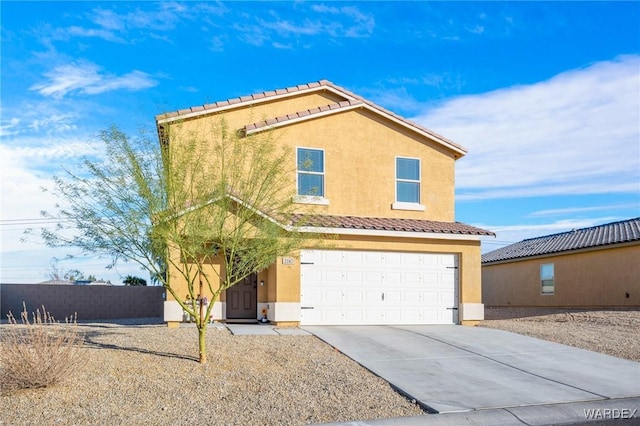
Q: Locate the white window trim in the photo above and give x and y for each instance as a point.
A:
(402, 205)
(312, 199)
(553, 278)
(408, 206)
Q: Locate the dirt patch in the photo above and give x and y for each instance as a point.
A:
(611, 332)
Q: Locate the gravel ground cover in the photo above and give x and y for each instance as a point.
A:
(149, 375)
(138, 373)
(612, 332)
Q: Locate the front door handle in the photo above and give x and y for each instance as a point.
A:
(383, 297)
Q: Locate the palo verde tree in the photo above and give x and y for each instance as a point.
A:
(203, 208)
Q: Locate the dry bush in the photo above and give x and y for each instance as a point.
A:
(40, 352)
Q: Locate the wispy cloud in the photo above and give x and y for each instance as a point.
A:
(122, 24)
(41, 118)
(88, 78)
(330, 21)
(574, 210)
(357, 24)
(576, 133)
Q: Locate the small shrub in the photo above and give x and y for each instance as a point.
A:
(40, 352)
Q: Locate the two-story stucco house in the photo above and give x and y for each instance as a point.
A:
(383, 187)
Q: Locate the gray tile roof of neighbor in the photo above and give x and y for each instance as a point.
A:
(602, 235)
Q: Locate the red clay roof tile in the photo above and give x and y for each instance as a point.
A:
(388, 224)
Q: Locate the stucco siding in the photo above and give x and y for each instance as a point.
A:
(360, 151)
(605, 277)
(360, 146)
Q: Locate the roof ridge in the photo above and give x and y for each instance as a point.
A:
(585, 229)
(606, 234)
(246, 98)
(303, 113)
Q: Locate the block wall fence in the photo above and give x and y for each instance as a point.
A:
(91, 302)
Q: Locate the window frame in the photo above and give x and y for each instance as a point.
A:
(305, 198)
(408, 205)
(546, 279)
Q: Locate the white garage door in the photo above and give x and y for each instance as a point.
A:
(340, 287)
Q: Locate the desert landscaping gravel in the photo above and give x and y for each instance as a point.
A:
(611, 332)
(149, 375)
(136, 373)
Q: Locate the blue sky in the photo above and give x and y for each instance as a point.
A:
(544, 95)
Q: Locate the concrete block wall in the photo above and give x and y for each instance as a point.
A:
(90, 302)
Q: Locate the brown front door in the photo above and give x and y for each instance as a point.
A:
(242, 299)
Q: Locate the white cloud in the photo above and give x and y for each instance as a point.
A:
(574, 210)
(576, 133)
(107, 35)
(87, 78)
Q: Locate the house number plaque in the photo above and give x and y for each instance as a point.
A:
(288, 261)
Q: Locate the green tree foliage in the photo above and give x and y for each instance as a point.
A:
(211, 195)
(134, 281)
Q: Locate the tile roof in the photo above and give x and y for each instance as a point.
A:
(388, 224)
(301, 114)
(608, 234)
(348, 96)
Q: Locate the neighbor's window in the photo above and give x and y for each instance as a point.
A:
(407, 180)
(547, 279)
(310, 172)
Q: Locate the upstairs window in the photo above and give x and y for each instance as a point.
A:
(407, 180)
(547, 278)
(310, 172)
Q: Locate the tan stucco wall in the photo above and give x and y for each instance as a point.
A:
(179, 283)
(360, 151)
(584, 279)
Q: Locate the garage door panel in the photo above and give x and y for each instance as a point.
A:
(393, 297)
(373, 297)
(409, 278)
(393, 316)
(347, 287)
(447, 261)
(374, 258)
(354, 276)
(447, 299)
(410, 259)
(392, 277)
(373, 277)
(392, 259)
(353, 296)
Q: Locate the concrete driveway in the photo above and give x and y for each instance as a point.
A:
(454, 368)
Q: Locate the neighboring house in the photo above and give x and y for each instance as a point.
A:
(590, 267)
(384, 187)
